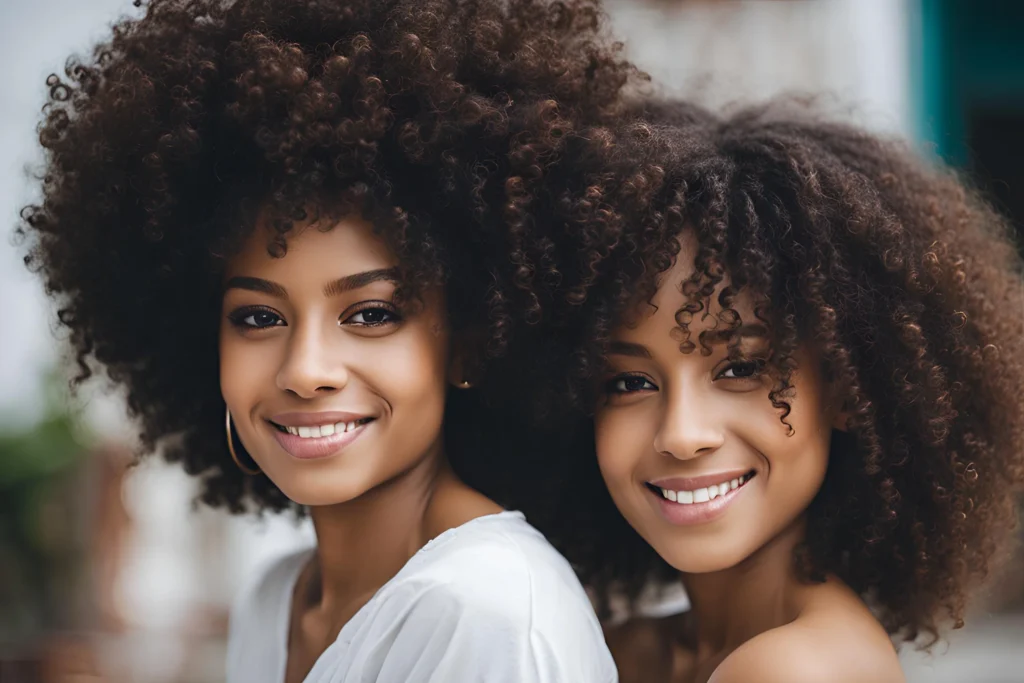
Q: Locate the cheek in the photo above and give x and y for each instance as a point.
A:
(409, 369)
(242, 366)
(622, 436)
(811, 451)
(797, 463)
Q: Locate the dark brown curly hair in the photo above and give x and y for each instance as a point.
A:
(442, 116)
(907, 283)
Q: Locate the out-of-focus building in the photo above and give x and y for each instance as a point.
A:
(724, 52)
(948, 74)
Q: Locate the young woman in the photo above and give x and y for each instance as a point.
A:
(801, 353)
(279, 225)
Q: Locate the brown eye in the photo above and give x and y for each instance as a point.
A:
(629, 384)
(255, 318)
(372, 316)
(744, 370)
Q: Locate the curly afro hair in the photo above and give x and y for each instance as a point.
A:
(907, 283)
(441, 116)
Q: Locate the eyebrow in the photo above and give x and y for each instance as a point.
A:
(752, 330)
(357, 280)
(256, 284)
(339, 286)
(712, 337)
(628, 349)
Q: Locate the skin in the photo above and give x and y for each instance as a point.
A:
(670, 414)
(294, 339)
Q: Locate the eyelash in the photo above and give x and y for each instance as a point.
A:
(389, 309)
(238, 317)
(612, 388)
(757, 365)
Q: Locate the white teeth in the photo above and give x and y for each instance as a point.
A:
(319, 431)
(705, 494)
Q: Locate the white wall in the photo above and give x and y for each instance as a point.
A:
(741, 50)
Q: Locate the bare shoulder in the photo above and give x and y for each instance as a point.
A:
(794, 654)
(835, 640)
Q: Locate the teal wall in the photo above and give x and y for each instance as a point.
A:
(965, 54)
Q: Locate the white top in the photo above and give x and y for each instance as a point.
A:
(490, 601)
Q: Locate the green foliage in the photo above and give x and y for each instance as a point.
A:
(46, 451)
(40, 522)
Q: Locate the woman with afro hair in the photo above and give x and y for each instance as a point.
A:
(794, 354)
(283, 227)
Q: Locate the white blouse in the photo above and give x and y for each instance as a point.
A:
(490, 601)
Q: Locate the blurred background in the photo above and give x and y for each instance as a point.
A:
(110, 572)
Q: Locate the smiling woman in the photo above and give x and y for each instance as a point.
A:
(284, 227)
(796, 376)
(335, 385)
(695, 458)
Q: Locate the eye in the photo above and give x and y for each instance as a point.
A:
(742, 370)
(255, 318)
(373, 316)
(629, 384)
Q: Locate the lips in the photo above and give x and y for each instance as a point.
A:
(314, 436)
(698, 504)
(718, 485)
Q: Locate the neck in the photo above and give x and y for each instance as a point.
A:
(363, 543)
(733, 605)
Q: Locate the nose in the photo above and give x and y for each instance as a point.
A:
(691, 426)
(313, 364)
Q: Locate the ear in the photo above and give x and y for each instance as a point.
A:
(841, 421)
(465, 369)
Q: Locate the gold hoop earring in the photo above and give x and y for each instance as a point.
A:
(231, 446)
(464, 384)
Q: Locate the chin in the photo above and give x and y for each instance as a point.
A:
(316, 491)
(699, 556)
(691, 564)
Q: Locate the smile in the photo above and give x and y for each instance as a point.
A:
(319, 441)
(318, 431)
(704, 494)
(682, 503)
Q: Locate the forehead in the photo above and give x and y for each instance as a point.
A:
(334, 245)
(660, 311)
